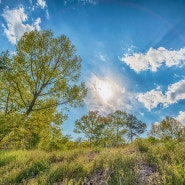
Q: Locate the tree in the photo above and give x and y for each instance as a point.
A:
(168, 128)
(44, 79)
(90, 125)
(118, 123)
(134, 126)
(46, 73)
(107, 131)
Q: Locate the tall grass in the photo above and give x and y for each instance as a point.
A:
(139, 163)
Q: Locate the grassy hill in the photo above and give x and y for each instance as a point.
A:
(138, 163)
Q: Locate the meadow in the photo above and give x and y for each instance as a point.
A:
(141, 162)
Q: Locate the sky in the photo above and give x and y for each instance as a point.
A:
(133, 52)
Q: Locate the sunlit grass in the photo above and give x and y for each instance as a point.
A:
(129, 165)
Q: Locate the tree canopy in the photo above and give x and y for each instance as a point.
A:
(44, 80)
(168, 128)
(110, 130)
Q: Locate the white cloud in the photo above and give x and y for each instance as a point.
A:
(153, 98)
(41, 3)
(154, 58)
(36, 24)
(47, 14)
(181, 117)
(16, 24)
(176, 92)
(106, 95)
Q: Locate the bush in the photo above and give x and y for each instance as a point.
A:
(142, 145)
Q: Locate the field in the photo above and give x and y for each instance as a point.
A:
(138, 163)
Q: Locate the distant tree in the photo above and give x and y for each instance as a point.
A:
(134, 127)
(45, 75)
(90, 125)
(118, 123)
(168, 128)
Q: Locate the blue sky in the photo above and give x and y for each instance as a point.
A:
(133, 51)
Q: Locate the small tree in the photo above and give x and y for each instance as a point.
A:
(90, 125)
(134, 127)
(118, 123)
(168, 128)
(107, 136)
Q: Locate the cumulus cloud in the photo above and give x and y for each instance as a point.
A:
(154, 59)
(181, 117)
(16, 24)
(176, 92)
(153, 98)
(106, 95)
(41, 3)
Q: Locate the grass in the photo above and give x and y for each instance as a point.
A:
(139, 163)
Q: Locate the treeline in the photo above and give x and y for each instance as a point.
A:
(111, 130)
(119, 128)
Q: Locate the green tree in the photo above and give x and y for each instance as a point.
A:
(118, 123)
(168, 128)
(91, 126)
(135, 127)
(44, 79)
(107, 136)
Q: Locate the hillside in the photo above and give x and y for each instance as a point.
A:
(138, 163)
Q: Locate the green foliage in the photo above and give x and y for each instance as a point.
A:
(90, 125)
(4, 58)
(170, 145)
(168, 128)
(45, 74)
(118, 121)
(135, 127)
(142, 145)
(32, 171)
(110, 130)
(67, 173)
(122, 172)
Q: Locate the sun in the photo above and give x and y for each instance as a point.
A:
(105, 91)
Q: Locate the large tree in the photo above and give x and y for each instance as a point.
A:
(43, 80)
(168, 128)
(45, 73)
